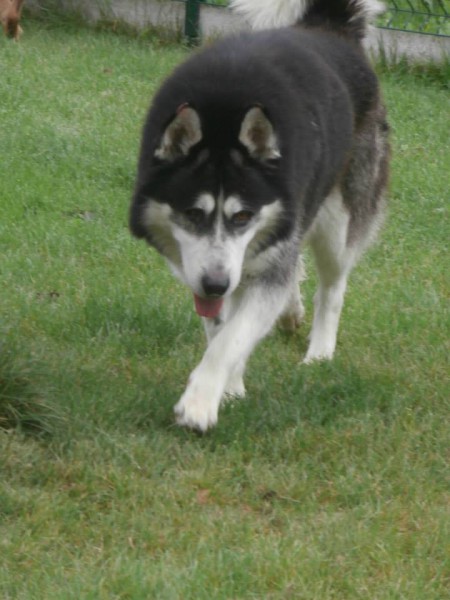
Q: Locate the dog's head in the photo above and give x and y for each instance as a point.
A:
(208, 200)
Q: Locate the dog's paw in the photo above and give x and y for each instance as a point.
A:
(314, 356)
(235, 388)
(194, 411)
(198, 407)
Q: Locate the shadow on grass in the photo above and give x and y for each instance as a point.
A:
(162, 343)
(322, 397)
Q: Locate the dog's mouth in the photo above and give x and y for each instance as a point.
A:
(208, 307)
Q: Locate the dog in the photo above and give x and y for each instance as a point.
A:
(10, 13)
(258, 145)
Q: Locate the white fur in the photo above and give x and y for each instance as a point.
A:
(231, 206)
(235, 386)
(371, 8)
(334, 260)
(206, 255)
(203, 255)
(250, 313)
(246, 317)
(252, 316)
(267, 14)
(206, 203)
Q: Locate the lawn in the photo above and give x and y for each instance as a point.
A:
(327, 482)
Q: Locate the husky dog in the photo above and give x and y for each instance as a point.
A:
(256, 146)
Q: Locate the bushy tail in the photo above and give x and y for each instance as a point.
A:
(350, 17)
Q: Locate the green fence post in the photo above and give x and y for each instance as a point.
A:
(192, 21)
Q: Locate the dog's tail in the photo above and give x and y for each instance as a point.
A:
(348, 17)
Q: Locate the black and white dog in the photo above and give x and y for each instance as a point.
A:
(254, 147)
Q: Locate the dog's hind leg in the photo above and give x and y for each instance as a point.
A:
(293, 315)
(334, 259)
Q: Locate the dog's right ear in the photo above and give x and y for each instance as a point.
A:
(258, 136)
(183, 132)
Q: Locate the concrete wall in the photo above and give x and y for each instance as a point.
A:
(415, 47)
(218, 21)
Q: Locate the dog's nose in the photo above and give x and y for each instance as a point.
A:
(215, 285)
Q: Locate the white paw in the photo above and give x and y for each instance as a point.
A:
(235, 388)
(198, 407)
(317, 355)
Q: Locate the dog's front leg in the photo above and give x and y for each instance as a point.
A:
(235, 386)
(229, 349)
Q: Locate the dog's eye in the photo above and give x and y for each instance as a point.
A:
(241, 218)
(195, 215)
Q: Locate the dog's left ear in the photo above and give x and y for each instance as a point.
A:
(258, 136)
(183, 132)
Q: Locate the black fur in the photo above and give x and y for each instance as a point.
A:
(342, 16)
(316, 88)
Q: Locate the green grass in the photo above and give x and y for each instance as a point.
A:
(327, 482)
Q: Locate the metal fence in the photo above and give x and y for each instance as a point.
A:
(431, 17)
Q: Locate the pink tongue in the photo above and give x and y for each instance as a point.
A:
(208, 307)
